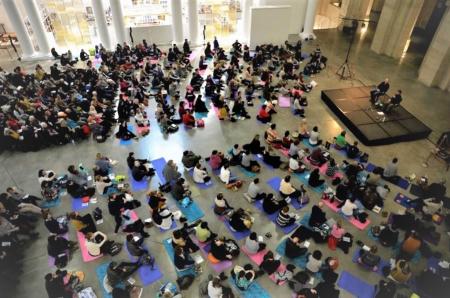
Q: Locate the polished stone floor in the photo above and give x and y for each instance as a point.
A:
(430, 105)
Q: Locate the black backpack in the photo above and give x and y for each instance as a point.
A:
(97, 213)
(114, 248)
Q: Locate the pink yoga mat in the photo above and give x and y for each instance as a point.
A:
(141, 129)
(258, 258)
(84, 253)
(332, 206)
(359, 225)
(284, 101)
(284, 151)
(154, 61)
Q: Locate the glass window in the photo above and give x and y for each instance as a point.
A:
(146, 12)
(220, 17)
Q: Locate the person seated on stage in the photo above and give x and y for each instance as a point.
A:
(287, 190)
(190, 159)
(263, 115)
(314, 178)
(216, 160)
(352, 150)
(249, 163)
(221, 206)
(388, 235)
(141, 171)
(271, 135)
(394, 101)
(314, 262)
(255, 192)
(285, 218)
(381, 89)
(203, 233)
(295, 165)
(294, 248)
(200, 174)
(340, 142)
(269, 264)
(314, 136)
(390, 171)
(253, 244)
(271, 159)
(318, 216)
(241, 220)
(369, 258)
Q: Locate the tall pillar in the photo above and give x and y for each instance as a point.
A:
(303, 6)
(19, 27)
(395, 25)
(309, 20)
(117, 19)
(246, 13)
(355, 9)
(177, 21)
(435, 67)
(193, 21)
(100, 21)
(34, 16)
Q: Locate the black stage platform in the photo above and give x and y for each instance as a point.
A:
(353, 107)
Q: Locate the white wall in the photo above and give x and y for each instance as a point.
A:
(269, 25)
(4, 19)
(160, 35)
(296, 23)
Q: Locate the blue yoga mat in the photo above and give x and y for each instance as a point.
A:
(137, 185)
(305, 221)
(247, 173)
(304, 177)
(147, 275)
(403, 200)
(381, 265)
(170, 251)
(192, 212)
(100, 271)
(50, 204)
(273, 218)
(254, 290)
(370, 167)
(200, 115)
(78, 205)
(307, 143)
(275, 183)
(371, 236)
(173, 226)
(298, 262)
(355, 286)
(128, 142)
(402, 183)
(158, 165)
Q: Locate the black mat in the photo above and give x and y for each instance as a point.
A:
(353, 107)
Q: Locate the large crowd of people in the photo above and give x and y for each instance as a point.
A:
(68, 104)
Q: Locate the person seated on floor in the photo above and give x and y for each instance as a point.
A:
(325, 289)
(271, 135)
(243, 276)
(249, 163)
(285, 218)
(401, 272)
(182, 259)
(286, 140)
(432, 206)
(294, 148)
(163, 217)
(337, 232)
(388, 236)
(227, 178)
(131, 161)
(294, 248)
(241, 220)
(95, 243)
(84, 224)
(352, 150)
(124, 133)
(202, 65)
(271, 205)
(254, 244)
(317, 157)
(79, 191)
(314, 179)
(155, 199)
(298, 107)
(296, 165)
(314, 136)
(270, 158)
(286, 275)
(221, 206)
(183, 241)
(170, 172)
(52, 224)
(287, 190)
(314, 262)
(57, 245)
(188, 119)
(235, 155)
(299, 283)
(180, 190)
(134, 245)
(263, 115)
(332, 168)
(203, 233)
(340, 142)
(190, 159)
(223, 249)
(216, 160)
(374, 178)
(318, 216)
(369, 258)
(348, 207)
(255, 192)
(269, 264)
(410, 246)
(390, 171)
(200, 175)
(60, 284)
(142, 171)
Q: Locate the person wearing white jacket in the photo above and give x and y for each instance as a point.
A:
(94, 243)
(200, 175)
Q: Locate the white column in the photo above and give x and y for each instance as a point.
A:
(246, 13)
(177, 21)
(193, 21)
(100, 21)
(35, 19)
(309, 20)
(117, 19)
(19, 27)
(303, 4)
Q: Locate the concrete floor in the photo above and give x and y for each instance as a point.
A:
(428, 104)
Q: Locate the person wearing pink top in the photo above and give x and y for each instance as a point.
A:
(336, 234)
(216, 160)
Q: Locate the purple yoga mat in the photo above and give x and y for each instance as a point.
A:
(219, 267)
(355, 286)
(202, 185)
(137, 185)
(147, 275)
(381, 265)
(173, 226)
(78, 205)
